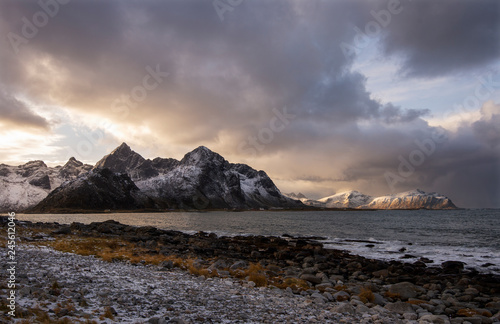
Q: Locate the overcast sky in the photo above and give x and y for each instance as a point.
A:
(325, 96)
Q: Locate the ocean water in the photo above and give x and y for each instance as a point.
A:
(471, 236)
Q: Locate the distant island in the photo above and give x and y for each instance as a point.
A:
(203, 180)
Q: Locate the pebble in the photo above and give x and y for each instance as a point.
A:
(154, 295)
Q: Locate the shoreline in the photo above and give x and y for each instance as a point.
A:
(298, 265)
(234, 210)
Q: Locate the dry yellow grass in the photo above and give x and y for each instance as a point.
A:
(115, 249)
(366, 295)
(417, 302)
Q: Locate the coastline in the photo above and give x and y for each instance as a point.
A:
(299, 266)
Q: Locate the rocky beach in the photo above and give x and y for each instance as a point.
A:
(107, 272)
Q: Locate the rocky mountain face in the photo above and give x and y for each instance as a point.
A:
(202, 179)
(348, 199)
(97, 190)
(25, 185)
(414, 199)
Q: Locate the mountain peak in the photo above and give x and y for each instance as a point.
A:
(201, 154)
(121, 159)
(72, 162)
(122, 149)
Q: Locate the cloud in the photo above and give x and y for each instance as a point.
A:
(435, 38)
(487, 129)
(225, 80)
(15, 113)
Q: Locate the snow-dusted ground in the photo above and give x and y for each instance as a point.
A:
(144, 294)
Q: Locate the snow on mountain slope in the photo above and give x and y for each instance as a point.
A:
(201, 179)
(303, 199)
(414, 199)
(98, 189)
(348, 199)
(25, 185)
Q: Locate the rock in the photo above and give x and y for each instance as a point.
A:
(399, 307)
(166, 265)
(471, 291)
(319, 296)
(220, 264)
(452, 266)
(341, 296)
(311, 278)
(239, 265)
(379, 300)
(495, 306)
(410, 316)
(437, 319)
(65, 230)
(328, 296)
(405, 290)
(381, 273)
(324, 285)
(344, 308)
(255, 254)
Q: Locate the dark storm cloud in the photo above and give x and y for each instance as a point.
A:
(14, 113)
(463, 164)
(225, 78)
(447, 36)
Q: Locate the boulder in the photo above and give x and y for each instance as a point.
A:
(399, 307)
(405, 290)
(437, 319)
(311, 278)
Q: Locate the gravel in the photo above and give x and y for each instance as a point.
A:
(51, 280)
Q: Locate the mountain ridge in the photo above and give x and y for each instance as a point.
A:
(412, 199)
(202, 179)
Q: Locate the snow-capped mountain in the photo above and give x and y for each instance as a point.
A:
(98, 189)
(202, 179)
(25, 185)
(348, 199)
(414, 199)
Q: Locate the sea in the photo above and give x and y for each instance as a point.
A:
(468, 235)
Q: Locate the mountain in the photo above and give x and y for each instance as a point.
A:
(348, 199)
(25, 185)
(98, 189)
(201, 179)
(414, 199)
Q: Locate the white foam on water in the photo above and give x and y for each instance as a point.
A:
(473, 257)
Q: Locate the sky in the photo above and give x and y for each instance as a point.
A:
(325, 96)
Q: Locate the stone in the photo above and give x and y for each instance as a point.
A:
(410, 316)
(164, 265)
(471, 291)
(324, 285)
(344, 308)
(239, 265)
(65, 230)
(452, 266)
(311, 278)
(399, 307)
(341, 296)
(379, 299)
(435, 319)
(405, 290)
